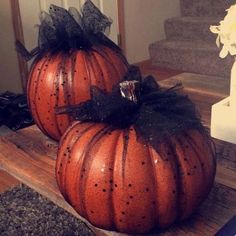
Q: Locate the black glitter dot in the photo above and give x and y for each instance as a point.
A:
(104, 190)
(130, 185)
(95, 185)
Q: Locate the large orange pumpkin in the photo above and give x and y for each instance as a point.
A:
(65, 78)
(118, 182)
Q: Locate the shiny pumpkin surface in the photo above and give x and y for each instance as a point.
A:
(65, 79)
(119, 183)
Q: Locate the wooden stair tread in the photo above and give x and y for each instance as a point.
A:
(30, 156)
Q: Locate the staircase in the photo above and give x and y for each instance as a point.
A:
(189, 44)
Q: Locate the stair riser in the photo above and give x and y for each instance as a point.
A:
(201, 62)
(205, 7)
(189, 31)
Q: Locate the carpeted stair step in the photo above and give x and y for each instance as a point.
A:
(190, 28)
(205, 7)
(191, 56)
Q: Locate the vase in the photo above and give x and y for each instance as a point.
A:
(223, 122)
(233, 87)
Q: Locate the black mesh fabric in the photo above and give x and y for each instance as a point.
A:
(62, 30)
(158, 114)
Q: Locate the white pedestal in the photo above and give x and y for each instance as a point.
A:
(223, 121)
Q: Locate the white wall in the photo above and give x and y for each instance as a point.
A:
(9, 71)
(144, 24)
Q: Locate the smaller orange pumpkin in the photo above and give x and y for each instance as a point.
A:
(72, 56)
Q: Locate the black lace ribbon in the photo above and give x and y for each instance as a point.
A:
(63, 30)
(158, 114)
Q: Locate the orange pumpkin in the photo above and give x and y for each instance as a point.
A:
(118, 182)
(65, 79)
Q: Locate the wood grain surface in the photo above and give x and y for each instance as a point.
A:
(30, 157)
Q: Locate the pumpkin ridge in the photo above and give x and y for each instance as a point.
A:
(114, 218)
(112, 60)
(199, 156)
(115, 61)
(179, 185)
(108, 75)
(86, 156)
(177, 178)
(187, 191)
(182, 180)
(124, 153)
(36, 115)
(70, 84)
(70, 146)
(150, 154)
(29, 84)
(54, 90)
(57, 82)
(197, 168)
(65, 91)
(100, 82)
(87, 64)
(105, 56)
(62, 158)
(166, 211)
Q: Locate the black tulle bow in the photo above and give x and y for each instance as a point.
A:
(158, 113)
(62, 30)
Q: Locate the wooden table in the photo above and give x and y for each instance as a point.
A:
(30, 157)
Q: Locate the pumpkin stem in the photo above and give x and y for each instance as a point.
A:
(130, 90)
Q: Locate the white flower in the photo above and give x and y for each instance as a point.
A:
(226, 33)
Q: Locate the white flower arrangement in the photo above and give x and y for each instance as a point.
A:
(226, 33)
